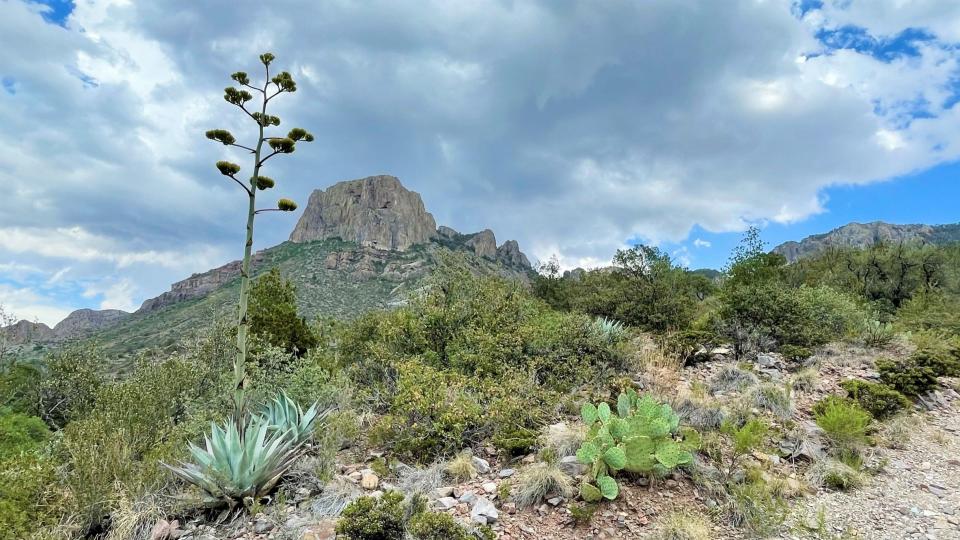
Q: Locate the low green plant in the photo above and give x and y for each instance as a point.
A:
(805, 380)
(877, 334)
(745, 439)
(843, 421)
(284, 415)
(773, 398)
(436, 526)
(461, 467)
(834, 474)
(755, 506)
(907, 376)
(368, 518)
(879, 400)
(611, 329)
(638, 438)
(795, 353)
(20, 433)
(582, 514)
(943, 361)
(239, 466)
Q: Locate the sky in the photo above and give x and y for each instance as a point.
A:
(574, 127)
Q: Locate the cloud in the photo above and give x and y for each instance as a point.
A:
(571, 127)
(700, 243)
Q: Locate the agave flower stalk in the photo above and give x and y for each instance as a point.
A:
(239, 97)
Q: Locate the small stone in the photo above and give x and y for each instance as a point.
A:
(571, 466)
(324, 530)
(506, 473)
(484, 511)
(446, 491)
(481, 465)
(446, 503)
(262, 527)
(369, 481)
(468, 497)
(490, 487)
(554, 501)
(528, 459)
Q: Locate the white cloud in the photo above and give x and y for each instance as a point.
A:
(573, 127)
(700, 243)
(26, 303)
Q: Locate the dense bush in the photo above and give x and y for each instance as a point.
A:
(20, 433)
(369, 518)
(907, 376)
(879, 400)
(273, 315)
(29, 498)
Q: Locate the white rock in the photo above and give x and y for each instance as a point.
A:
(446, 503)
(484, 511)
(490, 487)
(481, 465)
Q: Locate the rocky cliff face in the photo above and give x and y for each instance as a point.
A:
(376, 212)
(859, 235)
(85, 321)
(27, 332)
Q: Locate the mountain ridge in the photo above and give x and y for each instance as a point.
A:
(860, 235)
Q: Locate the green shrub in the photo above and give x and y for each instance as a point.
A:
(273, 314)
(29, 498)
(940, 359)
(536, 482)
(843, 422)
(879, 400)
(437, 526)
(757, 507)
(877, 334)
(795, 353)
(369, 518)
(70, 385)
(20, 433)
(906, 376)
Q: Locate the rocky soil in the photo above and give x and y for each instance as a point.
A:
(914, 492)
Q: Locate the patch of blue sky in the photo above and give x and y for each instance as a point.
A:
(57, 11)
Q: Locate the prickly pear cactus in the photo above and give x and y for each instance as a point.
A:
(639, 437)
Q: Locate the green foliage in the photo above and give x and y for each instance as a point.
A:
(70, 385)
(795, 353)
(906, 376)
(843, 421)
(436, 526)
(274, 317)
(879, 400)
(20, 433)
(756, 506)
(367, 518)
(773, 398)
(639, 438)
(611, 329)
(28, 495)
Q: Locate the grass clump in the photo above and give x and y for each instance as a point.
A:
(772, 398)
(755, 506)
(539, 480)
(879, 400)
(699, 415)
(680, 525)
(562, 438)
(461, 468)
(805, 380)
(730, 378)
(834, 474)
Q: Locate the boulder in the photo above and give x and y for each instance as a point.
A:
(484, 512)
(376, 211)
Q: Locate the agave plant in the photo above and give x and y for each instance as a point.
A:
(611, 329)
(237, 466)
(284, 415)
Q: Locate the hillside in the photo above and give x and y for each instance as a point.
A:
(391, 245)
(858, 235)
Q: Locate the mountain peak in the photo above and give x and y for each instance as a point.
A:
(859, 235)
(376, 211)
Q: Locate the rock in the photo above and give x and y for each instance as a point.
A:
(446, 503)
(160, 530)
(481, 465)
(721, 351)
(447, 232)
(766, 360)
(25, 331)
(554, 501)
(262, 526)
(860, 235)
(484, 511)
(571, 466)
(445, 491)
(507, 473)
(484, 244)
(509, 253)
(369, 481)
(355, 477)
(490, 487)
(324, 530)
(469, 497)
(376, 211)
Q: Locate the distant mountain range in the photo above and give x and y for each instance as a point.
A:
(359, 245)
(859, 235)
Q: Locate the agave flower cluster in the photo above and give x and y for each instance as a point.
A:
(241, 461)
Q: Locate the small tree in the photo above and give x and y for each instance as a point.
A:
(272, 87)
(274, 317)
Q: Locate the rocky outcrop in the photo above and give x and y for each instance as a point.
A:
(85, 321)
(375, 212)
(484, 244)
(198, 285)
(509, 253)
(859, 235)
(27, 332)
(447, 232)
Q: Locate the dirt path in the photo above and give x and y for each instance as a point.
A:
(916, 496)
